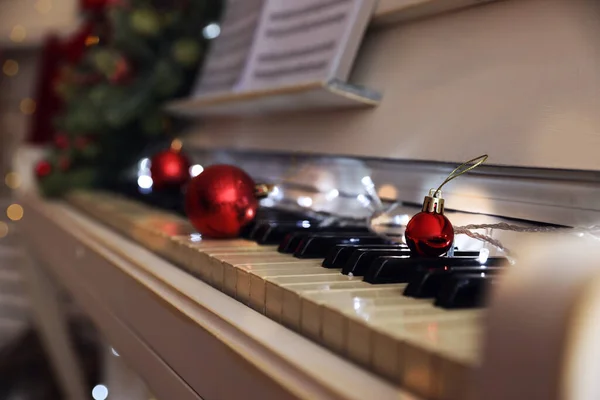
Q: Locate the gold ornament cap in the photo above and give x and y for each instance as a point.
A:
(434, 202)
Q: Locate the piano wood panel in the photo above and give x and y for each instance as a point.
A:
(517, 79)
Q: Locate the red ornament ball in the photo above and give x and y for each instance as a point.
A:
(43, 169)
(429, 234)
(221, 201)
(169, 169)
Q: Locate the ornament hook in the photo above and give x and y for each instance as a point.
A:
(461, 170)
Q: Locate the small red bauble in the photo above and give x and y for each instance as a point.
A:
(221, 201)
(169, 169)
(430, 233)
(43, 169)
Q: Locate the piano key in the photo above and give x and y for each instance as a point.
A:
(464, 290)
(361, 260)
(258, 281)
(274, 298)
(420, 365)
(360, 336)
(242, 275)
(272, 232)
(288, 287)
(427, 282)
(293, 239)
(290, 242)
(317, 246)
(398, 269)
(339, 255)
(312, 301)
(275, 232)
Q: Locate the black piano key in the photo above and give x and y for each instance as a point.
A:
(399, 269)
(317, 246)
(291, 241)
(360, 260)
(276, 232)
(339, 255)
(247, 230)
(465, 291)
(272, 232)
(426, 283)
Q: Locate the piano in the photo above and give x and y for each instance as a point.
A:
(295, 310)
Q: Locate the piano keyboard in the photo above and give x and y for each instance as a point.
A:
(415, 322)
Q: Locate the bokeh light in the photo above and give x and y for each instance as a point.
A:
(12, 180)
(14, 212)
(43, 6)
(10, 68)
(28, 106)
(18, 34)
(3, 229)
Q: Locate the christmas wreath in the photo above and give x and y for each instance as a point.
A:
(101, 91)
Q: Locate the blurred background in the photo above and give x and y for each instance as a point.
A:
(62, 60)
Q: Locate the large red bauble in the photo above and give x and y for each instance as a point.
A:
(429, 234)
(221, 201)
(169, 169)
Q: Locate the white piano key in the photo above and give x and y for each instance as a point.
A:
(312, 301)
(244, 273)
(258, 280)
(274, 306)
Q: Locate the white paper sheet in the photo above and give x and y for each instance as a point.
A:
(228, 54)
(305, 41)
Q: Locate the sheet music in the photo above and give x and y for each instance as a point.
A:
(305, 41)
(229, 52)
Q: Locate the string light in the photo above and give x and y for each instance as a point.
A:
(3, 229)
(12, 180)
(176, 145)
(100, 392)
(18, 33)
(14, 212)
(211, 31)
(28, 106)
(10, 68)
(43, 6)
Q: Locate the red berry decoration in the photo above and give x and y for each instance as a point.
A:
(81, 142)
(430, 233)
(43, 169)
(61, 141)
(221, 201)
(169, 169)
(121, 73)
